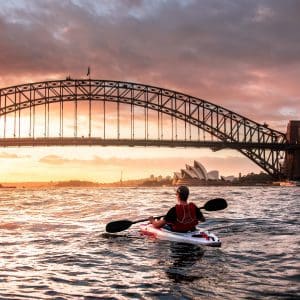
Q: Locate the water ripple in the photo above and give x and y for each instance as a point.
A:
(54, 246)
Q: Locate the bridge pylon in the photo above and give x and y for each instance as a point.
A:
(292, 158)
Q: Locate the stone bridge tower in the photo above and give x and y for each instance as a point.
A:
(292, 160)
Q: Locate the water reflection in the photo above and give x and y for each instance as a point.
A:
(183, 258)
(57, 248)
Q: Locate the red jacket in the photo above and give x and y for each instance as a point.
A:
(186, 217)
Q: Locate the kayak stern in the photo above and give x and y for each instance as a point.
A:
(198, 237)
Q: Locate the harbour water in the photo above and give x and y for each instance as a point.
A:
(54, 245)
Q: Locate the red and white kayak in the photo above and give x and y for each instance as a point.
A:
(197, 237)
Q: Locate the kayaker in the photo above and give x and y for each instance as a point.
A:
(182, 217)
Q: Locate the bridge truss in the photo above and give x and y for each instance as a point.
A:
(125, 113)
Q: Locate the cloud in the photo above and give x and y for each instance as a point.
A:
(229, 165)
(5, 155)
(243, 55)
(54, 160)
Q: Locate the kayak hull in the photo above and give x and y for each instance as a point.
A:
(198, 237)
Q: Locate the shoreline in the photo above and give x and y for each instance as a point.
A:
(84, 184)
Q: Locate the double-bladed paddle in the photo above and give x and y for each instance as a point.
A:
(117, 226)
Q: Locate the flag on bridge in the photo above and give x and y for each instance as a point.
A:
(88, 72)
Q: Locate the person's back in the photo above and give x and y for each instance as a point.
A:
(183, 216)
(186, 218)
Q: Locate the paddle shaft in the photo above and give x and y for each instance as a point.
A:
(144, 220)
(117, 226)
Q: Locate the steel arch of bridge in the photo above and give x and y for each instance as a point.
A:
(261, 144)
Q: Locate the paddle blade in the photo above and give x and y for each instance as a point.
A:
(118, 226)
(215, 204)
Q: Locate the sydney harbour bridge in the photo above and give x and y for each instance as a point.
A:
(115, 113)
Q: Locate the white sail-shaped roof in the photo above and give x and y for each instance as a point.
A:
(202, 173)
(213, 175)
(188, 173)
(177, 175)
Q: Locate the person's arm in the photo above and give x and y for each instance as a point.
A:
(170, 217)
(199, 215)
(157, 223)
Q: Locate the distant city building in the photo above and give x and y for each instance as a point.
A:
(213, 175)
(228, 178)
(194, 175)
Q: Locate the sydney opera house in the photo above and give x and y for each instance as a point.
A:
(194, 175)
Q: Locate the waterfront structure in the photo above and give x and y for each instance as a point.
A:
(291, 164)
(228, 178)
(134, 114)
(194, 175)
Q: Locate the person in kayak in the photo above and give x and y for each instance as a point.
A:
(182, 217)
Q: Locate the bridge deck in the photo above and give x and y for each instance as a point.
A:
(83, 141)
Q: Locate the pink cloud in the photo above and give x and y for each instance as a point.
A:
(5, 155)
(243, 56)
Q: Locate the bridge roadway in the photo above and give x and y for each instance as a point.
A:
(93, 141)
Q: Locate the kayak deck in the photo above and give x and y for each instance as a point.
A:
(197, 237)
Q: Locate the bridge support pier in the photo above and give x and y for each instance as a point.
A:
(292, 159)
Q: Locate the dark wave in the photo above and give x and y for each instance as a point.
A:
(54, 246)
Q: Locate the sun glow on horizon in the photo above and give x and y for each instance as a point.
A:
(104, 120)
(105, 164)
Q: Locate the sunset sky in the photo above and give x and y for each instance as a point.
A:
(242, 55)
